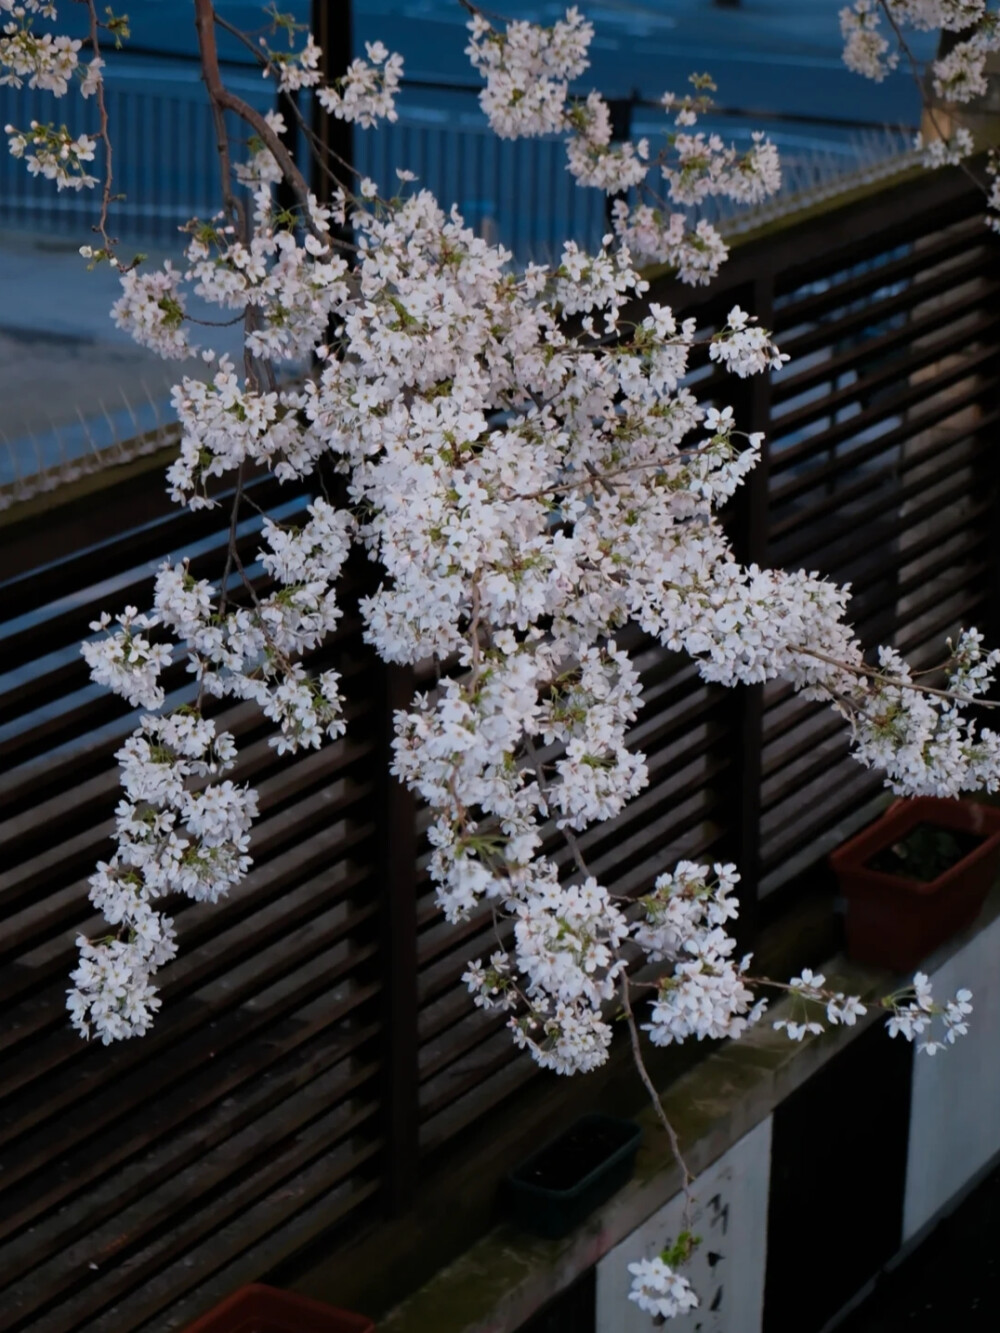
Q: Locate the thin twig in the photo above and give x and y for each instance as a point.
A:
(873, 673)
(686, 1176)
(103, 134)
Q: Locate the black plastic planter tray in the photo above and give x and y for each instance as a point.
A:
(554, 1190)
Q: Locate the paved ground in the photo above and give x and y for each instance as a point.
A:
(63, 361)
(950, 1284)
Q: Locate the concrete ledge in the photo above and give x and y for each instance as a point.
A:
(502, 1280)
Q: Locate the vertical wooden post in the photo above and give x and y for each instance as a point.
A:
(333, 28)
(748, 532)
(397, 868)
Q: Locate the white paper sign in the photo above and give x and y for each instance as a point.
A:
(726, 1270)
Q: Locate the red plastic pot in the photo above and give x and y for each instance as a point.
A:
(894, 921)
(260, 1309)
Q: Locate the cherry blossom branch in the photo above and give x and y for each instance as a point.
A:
(103, 134)
(860, 669)
(929, 107)
(315, 143)
(687, 1177)
(226, 100)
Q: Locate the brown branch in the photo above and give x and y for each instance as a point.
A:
(224, 99)
(103, 134)
(873, 673)
(212, 78)
(633, 1031)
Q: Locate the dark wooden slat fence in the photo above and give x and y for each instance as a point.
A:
(315, 1054)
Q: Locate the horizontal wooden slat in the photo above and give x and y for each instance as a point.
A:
(874, 276)
(899, 396)
(846, 319)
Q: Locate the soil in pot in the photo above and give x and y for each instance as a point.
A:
(572, 1157)
(926, 852)
(555, 1189)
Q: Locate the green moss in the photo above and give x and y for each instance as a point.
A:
(71, 492)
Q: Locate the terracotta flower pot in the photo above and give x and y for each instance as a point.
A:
(260, 1309)
(896, 919)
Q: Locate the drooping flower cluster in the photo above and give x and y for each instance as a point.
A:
(993, 201)
(743, 348)
(911, 1011)
(50, 63)
(528, 70)
(43, 60)
(151, 309)
(659, 1290)
(912, 1017)
(867, 51)
(56, 154)
(942, 152)
(251, 652)
(127, 661)
(171, 838)
(684, 919)
(925, 743)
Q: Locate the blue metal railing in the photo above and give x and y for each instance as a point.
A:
(518, 193)
(165, 163)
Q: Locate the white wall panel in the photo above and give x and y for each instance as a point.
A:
(727, 1269)
(955, 1109)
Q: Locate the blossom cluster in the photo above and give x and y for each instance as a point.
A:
(171, 838)
(54, 153)
(528, 71)
(50, 63)
(43, 60)
(366, 94)
(867, 50)
(659, 1290)
(958, 76)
